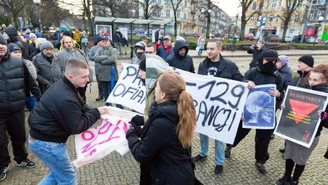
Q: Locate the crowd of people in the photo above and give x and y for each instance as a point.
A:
(53, 88)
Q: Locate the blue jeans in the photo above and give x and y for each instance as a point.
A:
(200, 51)
(219, 149)
(55, 157)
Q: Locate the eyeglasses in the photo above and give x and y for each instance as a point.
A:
(149, 52)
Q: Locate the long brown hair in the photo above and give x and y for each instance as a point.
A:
(174, 86)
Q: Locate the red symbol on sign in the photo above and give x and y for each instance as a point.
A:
(303, 108)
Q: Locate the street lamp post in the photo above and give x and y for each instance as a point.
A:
(316, 27)
(234, 39)
(37, 2)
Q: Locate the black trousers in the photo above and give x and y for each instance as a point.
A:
(13, 124)
(262, 141)
(100, 91)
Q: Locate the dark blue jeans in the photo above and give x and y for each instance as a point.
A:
(105, 86)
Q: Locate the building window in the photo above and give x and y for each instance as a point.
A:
(254, 6)
(168, 13)
(311, 16)
(159, 1)
(185, 2)
(274, 3)
(178, 14)
(168, 1)
(296, 18)
(268, 4)
(280, 2)
(252, 18)
(159, 13)
(184, 16)
(271, 18)
(277, 18)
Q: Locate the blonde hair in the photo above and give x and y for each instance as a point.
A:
(217, 42)
(70, 38)
(173, 85)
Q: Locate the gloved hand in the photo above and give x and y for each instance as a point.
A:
(137, 121)
(323, 115)
(130, 132)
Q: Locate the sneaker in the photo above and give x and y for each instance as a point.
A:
(199, 158)
(283, 180)
(282, 150)
(218, 169)
(292, 182)
(260, 167)
(27, 163)
(6, 169)
(3, 174)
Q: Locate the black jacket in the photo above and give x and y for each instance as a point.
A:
(15, 83)
(227, 69)
(61, 113)
(181, 62)
(117, 36)
(299, 80)
(256, 54)
(161, 149)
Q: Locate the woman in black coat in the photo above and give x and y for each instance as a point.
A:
(168, 133)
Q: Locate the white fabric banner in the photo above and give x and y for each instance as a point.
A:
(129, 90)
(99, 141)
(219, 104)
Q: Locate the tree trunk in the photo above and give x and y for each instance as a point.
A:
(208, 26)
(15, 19)
(242, 26)
(284, 30)
(175, 24)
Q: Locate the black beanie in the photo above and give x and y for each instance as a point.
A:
(67, 33)
(3, 40)
(307, 59)
(142, 64)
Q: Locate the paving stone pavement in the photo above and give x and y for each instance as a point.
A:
(124, 170)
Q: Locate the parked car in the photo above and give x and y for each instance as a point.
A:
(288, 39)
(296, 38)
(274, 38)
(249, 36)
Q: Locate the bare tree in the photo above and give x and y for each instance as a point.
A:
(175, 6)
(245, 4)
(148, 8)
(113, 5)
(289, 10)
(15, 7)
(53, 14)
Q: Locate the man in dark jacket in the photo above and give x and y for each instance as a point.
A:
(256, 51)
(11, 34)
(61, 113)
(15, 82)
(215, 65)
(181, 59)
(264, 73)
(167, 49)
(117, 40)
(47, 66)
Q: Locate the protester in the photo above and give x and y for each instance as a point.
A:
(125, 44)
(38, 43)
(144, 39)
(150, 49)
(159, 43)
(77, 37)
(106, 57)
(61, 113)
(11, 34)
(118, 40)
(84, 42)
(296, 155)
(171, 124)
(12, 108)
(180, 59)
(217, 66)
(305, 65)
(38, 33)
(92, 54)
(256, 51)
(48, 67)
(200, 44)
(167, 49)
(264, 73)
(14, 50)
(68, 53)
(138, 50)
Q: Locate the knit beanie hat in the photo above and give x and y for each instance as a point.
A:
(267, 54)
(283, 59)
(142, 64)
(45, 45)
(67, 33)
(307, 59)
(13, 47)
(3, 40)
